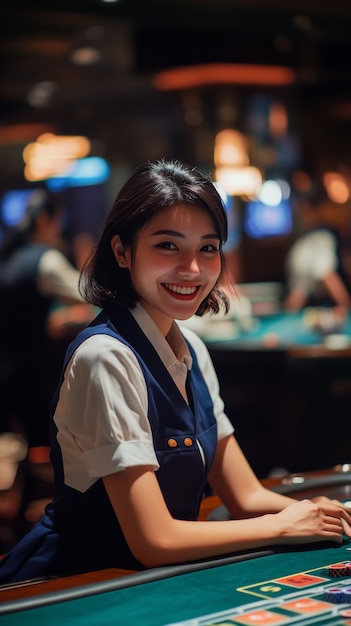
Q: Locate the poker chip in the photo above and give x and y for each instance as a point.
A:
(339, 569)
(335, 595)
(345, 613)
(347, 594)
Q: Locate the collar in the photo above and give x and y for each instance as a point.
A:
(171, 348)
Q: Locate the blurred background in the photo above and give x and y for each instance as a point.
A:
(143, 79)
(255, 92)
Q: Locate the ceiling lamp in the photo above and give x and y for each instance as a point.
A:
(233, 172)
(223, 73)
(52, 154)
(337, 187)
(86, 56)
(231, 148)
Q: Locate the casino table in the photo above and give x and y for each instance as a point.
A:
(291, 585)
(172, 595)
(278, 331)
(286, 387)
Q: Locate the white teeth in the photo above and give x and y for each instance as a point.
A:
(186, 291)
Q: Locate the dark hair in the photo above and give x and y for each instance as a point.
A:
(153, 187)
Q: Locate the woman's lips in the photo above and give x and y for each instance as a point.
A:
(182, 292)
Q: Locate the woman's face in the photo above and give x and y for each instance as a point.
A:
(175, 263)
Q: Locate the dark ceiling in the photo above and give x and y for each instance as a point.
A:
(113, 100)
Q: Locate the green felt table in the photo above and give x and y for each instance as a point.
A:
(171, 595)
(276, 331)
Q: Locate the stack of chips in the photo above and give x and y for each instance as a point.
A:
(336, 595)
(339, 595)
(339, 569)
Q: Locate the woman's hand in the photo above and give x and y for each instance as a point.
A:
(307, 521)
(335, 508)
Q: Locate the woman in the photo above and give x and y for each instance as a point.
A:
(138, 423)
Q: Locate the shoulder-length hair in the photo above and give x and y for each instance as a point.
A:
(153, 187)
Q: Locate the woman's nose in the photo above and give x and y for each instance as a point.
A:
(189, 265)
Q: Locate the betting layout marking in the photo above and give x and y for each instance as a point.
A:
(298, 599)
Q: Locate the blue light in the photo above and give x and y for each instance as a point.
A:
(13, 206)
(262, 220)
(89, 171)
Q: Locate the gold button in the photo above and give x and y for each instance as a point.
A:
(188, 442)
(172, 443)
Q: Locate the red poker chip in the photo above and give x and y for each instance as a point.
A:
(338, 569)
(345, 613)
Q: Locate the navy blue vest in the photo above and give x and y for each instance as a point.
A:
(90, 536)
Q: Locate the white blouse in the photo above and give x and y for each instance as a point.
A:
(102, 412)
(312, 257)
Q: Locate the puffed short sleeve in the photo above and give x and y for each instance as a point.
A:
(101, 415)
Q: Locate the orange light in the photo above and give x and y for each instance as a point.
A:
(239, 181)
(222, 73)
(51, 155)
(230, 149)
(337, 187)
(278, 119)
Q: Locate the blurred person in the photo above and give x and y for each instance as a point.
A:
(35, 276)
(315, 275)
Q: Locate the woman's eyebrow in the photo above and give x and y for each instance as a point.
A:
(175, 233)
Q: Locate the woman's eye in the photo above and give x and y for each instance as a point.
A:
(166, 245)
(210, 248)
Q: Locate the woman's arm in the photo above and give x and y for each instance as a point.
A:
(156, 539)
(233, 480)
(244, 495)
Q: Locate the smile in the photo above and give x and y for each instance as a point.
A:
(185, 291)
(182, 291)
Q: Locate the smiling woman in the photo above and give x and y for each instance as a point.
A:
(140, 206)
(174, 263)
(138, 423)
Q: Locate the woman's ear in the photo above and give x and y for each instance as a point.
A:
(121, 253)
